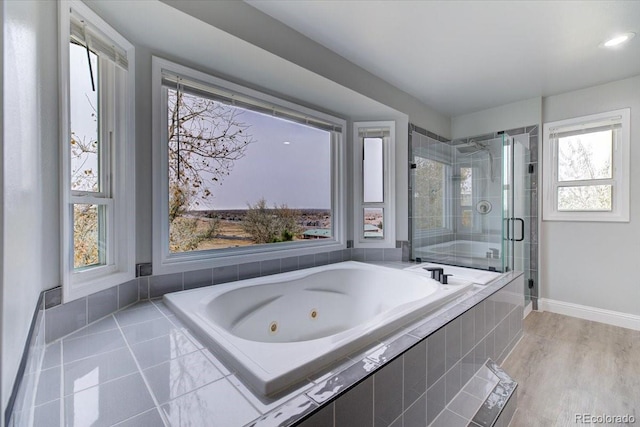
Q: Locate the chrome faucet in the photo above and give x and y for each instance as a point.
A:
(495, 252)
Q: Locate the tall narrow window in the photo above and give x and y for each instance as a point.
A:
(466, 197)
(87, 152)
(587, 167)
(243, 175)
(97, 153)
(374, 165)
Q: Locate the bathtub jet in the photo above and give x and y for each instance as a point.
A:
(276, 331)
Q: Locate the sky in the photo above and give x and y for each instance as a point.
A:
(297, 174)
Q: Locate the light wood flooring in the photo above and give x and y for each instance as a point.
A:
(565, 366)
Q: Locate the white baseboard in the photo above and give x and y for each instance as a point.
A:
(614, 318)
(527, 309)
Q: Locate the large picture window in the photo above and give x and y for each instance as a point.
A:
(97, 153)
(243, 174)
(587, 168)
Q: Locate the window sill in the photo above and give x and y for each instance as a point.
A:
(585, 217)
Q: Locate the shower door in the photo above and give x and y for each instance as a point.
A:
(516, 175)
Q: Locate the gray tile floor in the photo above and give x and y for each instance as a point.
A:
(566, 366)
(138, 367)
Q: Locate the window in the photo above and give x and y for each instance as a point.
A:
(431, 196)
(586, 173)
(374, 165)
(466, 198)
(97, 153)
(239, 172)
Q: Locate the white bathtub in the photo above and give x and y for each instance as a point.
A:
(277, 330)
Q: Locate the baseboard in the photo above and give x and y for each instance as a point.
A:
(615, 318)
(527, 309)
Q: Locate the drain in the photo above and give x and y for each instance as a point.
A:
(273, 327)
(314, 314)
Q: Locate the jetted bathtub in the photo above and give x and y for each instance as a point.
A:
(278, 330)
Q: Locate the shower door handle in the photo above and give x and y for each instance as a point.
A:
(510, 222)
(521, 230)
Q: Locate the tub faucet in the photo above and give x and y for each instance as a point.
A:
(495, 252)
(436, 272)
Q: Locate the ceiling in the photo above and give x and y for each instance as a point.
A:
(464, 56)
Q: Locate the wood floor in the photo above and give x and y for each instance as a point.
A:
(566, 366)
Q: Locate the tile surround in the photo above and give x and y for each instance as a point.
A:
(366, 376)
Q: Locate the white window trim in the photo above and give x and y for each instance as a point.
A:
(389, 194)
(121, 220)
(621, 165)
(165, 262)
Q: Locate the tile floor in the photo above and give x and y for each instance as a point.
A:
(139, 367)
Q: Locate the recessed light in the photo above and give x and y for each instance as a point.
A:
(287, 142)
(619, 39)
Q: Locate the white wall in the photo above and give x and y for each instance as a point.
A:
(2, 404)
(30, 205)
(588, 263)
(510, 116)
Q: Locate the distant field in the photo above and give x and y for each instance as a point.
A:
(230, 233)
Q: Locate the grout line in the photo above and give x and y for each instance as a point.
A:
(144, 379)
(132, 417)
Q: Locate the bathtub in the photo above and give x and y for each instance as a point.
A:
(277, 330)
(465, 252)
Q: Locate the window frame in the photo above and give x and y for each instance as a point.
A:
(117, 137)
(620, 168)
(389, 186)
(165, 262)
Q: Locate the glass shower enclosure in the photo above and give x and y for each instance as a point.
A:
(470, 201)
